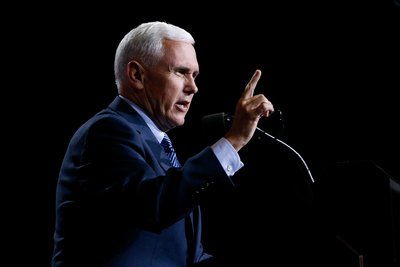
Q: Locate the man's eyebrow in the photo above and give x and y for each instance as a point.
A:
(181, 68)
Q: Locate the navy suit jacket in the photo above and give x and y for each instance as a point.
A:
(119, 201)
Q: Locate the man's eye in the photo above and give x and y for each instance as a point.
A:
(182, 72)
(186, 73)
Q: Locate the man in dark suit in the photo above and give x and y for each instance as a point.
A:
(122, 200)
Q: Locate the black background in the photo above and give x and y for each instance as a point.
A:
(332, 67)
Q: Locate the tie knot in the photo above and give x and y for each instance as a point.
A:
(167, 145)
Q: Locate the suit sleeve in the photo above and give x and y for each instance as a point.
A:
(117, 173)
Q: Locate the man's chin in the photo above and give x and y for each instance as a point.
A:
(174, 123)
(179, 122)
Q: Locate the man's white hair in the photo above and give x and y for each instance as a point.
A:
(145, 44)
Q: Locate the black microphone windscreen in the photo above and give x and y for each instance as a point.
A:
(214, 126)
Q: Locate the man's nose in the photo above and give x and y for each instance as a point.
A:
(191, 87)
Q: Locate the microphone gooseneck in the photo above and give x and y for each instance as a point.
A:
(221, 122)
(292, 149)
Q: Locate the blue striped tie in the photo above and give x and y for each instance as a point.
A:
(168, 148)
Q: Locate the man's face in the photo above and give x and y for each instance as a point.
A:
(170, 85)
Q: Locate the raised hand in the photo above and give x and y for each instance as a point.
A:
(249, 109)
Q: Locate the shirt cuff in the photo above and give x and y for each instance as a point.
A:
(227, 156)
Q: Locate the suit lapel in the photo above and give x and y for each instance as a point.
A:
(125, 110)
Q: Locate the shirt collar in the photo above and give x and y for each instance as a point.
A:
(153, 127)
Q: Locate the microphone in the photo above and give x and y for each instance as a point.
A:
(216, 125)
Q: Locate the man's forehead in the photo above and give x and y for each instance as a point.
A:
(180, 54)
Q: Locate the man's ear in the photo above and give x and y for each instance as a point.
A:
(135, 74)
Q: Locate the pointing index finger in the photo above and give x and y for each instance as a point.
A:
(251, 86)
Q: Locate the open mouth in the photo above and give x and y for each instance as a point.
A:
(183, 105)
